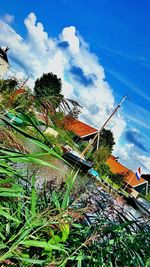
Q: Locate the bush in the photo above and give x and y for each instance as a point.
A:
(103, 169)
(117, 178)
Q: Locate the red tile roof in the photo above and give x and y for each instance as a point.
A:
(79, 128)
(116, 167)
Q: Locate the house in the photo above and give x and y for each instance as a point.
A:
(140, 186)
(82, 131)
(4, 64)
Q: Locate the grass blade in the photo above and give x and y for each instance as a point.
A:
(8, 216)
(33, 196)
(42, 244)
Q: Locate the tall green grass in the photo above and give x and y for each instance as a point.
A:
(51, 227)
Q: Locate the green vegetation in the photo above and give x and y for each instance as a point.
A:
(101, 155)
(47, 86)
(49, 227)
(147, 197)
(8, 85)
(106, 139)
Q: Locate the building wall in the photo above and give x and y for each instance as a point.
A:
(3, 67)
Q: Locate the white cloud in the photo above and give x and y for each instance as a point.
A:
(145, 162)
(39, 53)
(123, 152)
(69, 35)
(130, 157)
(8, 18)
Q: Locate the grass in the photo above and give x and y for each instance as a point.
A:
(53, 227)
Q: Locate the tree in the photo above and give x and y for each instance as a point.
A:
(106, 139)
(47, 86)
(146, 177)
(118, 178)
(8, 85)
(70, 107)
(48, 93)
(103, 169)
(102, 154)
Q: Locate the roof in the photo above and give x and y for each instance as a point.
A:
(79, 128)
(116, 167)
(3, 54)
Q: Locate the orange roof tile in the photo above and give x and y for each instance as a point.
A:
(79, 128)
(116, 167)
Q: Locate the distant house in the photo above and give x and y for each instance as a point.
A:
(139, 185)
(4, 64)
(82, 131)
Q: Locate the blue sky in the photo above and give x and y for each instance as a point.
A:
(118, 33)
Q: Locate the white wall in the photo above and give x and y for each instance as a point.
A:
(3, 67)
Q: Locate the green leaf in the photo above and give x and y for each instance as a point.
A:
(44, 193)
(55, 240)
(55, 199)
(17, 128)
(2, 246)
(8, 216)
(140, 260)
(148, 263)
(77, 225)
(7, 194)
(34, 261)
(11, 190)
(2, 236)
(70, 182)
(42, 244)
(33, 196)
(65, 231)
(33, 160)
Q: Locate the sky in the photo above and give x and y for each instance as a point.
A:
(100, 50)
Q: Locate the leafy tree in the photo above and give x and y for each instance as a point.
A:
(118, 178)
(8, 85)
(48, 93)
(106, 139)
(103, 169)
(70, 107)
(146, 177)
(47, 86)
(102, 154)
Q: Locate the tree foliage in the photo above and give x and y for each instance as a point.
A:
(47, 86)
(103, 169)
(146, 177)
(102, 154)
(118, 178)
(8, 85)
(106, 139)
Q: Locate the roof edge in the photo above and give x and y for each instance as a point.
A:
(89, 134)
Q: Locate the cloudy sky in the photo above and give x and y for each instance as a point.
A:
(100, 50)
